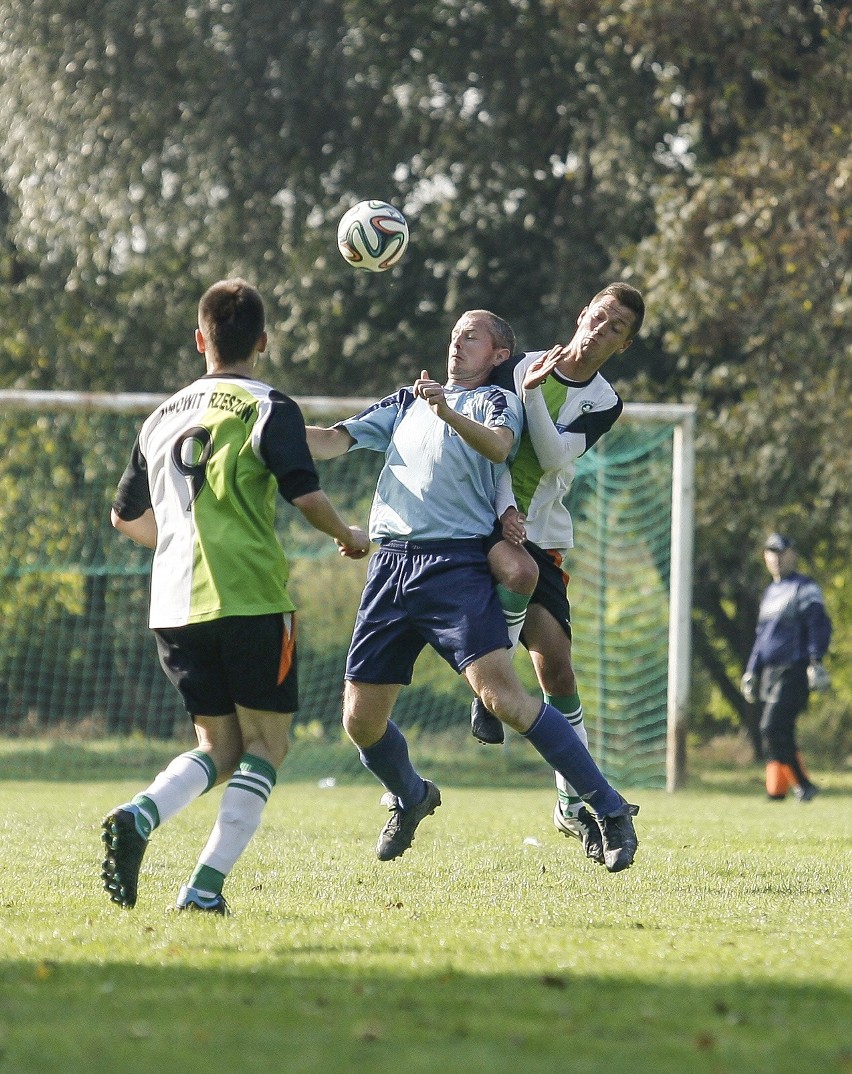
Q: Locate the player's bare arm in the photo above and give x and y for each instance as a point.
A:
(352, 541)
(142, 530)
(328, 443)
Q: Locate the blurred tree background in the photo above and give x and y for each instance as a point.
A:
(539, 149)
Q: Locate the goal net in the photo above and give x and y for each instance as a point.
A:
(81, 691)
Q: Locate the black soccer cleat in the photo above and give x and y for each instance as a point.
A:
(484, 725)
(398, 834)
(619, 839)
(125, 848)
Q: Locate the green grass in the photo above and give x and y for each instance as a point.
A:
(493, 945)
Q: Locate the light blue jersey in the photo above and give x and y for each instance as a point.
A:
(433, 485)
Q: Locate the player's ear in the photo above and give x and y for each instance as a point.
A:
(200, 345)
(501, 355)
(261, 343)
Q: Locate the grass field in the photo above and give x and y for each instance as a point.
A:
(492, 945)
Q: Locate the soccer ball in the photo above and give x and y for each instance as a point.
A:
(372, 235)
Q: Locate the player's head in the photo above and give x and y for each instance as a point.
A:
(630, 299)
(231, 321)
(606, 327)
(501, 332)
(479, 341)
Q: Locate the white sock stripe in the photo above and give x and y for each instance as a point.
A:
(152, 821)
(576, 716)
(205, 767)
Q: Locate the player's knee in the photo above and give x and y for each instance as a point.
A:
(513, 567)
(559, 682)
(508, 703)
(359, 726)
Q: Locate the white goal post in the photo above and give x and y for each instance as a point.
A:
(680, 418)
(682, 415)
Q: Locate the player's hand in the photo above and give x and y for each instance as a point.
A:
(357, 546)
(748, 687)
(514, 530)
(818, 677)
(431, 391)
(539, 370)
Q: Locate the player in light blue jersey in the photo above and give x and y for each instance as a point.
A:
(445, 447)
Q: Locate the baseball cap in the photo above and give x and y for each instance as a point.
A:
(777, 542)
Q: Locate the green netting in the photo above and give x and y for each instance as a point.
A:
(81, 691)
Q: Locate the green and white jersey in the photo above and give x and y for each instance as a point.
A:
(209, 461)
(563, 420)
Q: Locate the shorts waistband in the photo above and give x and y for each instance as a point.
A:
(461, 544)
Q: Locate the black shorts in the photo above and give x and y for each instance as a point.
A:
(551, 590)
(247, 660)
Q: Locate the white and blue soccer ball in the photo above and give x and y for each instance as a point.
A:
(372, 235)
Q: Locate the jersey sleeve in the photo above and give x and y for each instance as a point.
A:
(284, 449)
(373, 428)
(504, 497)
(133, 496)
(504, 409)
(557, 447)
(814, 617)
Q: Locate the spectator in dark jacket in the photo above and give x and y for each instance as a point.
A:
(793, 632)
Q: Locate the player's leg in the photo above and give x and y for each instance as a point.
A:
(784, 692)
(380, 661)
(494, 679)
(515, 574)
(184, 656)
(383, 751)
(549, 644)
(265, 742)
(258, 655)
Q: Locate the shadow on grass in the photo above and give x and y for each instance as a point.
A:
(283, 1016)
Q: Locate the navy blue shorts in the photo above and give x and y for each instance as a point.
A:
(437, 593)
(247, 660)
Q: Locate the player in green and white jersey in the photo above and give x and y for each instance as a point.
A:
(200, 490)
(569, 405)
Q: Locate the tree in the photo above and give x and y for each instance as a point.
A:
(538, 147)
(749, 290)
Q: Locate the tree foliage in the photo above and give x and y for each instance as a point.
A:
(538, 147)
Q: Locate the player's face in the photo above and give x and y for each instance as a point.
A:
(472, 353)
(604, 329)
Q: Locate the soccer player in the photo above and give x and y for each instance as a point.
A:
(785, 664)
(569, 405)
(445, 446)
(200, 490)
